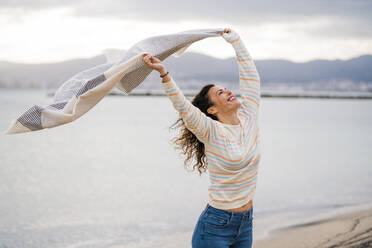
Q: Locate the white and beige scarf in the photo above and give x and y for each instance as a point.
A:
(84, 90)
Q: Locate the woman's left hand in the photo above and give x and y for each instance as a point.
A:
(153, 63)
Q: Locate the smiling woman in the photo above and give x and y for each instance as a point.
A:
(222, 135)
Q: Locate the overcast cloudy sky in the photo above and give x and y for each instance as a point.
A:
(35, 31)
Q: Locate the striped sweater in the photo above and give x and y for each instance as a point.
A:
(232, 151)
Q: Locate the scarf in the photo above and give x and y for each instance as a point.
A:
(84, 90)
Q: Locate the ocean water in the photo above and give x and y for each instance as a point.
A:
(113, 179)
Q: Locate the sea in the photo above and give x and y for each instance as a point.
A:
(112, 178)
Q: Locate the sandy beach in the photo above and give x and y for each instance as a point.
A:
(351, 230)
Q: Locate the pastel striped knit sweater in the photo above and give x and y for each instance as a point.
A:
(232, 151)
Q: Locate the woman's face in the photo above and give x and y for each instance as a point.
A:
(223, 100)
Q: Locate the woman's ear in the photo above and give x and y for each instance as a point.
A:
(212, 110)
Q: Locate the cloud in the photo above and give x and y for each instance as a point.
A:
(236, 10)
(344, 18)
(297, 30)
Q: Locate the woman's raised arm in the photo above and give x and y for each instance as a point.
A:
(195, 120)
(248, 75)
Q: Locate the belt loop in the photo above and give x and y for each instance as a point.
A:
(205, 209)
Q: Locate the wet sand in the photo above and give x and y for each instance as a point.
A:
(351, 230)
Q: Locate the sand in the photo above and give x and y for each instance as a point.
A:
(352, 230)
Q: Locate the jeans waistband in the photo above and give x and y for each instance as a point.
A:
(237, 214)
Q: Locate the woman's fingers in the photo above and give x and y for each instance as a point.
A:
(152, 62)
(146, 58)
(149, 58)
(147, 61)
(226, 30)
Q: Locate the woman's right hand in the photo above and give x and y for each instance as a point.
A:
(153, 63)
(226, 30)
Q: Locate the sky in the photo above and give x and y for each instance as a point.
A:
(47, 31)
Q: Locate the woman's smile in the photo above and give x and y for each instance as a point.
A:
(231, 98)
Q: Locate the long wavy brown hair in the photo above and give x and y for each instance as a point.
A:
(187, 142)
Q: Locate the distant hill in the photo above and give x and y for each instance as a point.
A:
(193, 69)
(13, 75)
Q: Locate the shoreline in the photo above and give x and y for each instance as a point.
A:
(344, 228)
(294, 218)
(316, 95)
(351, 229)
(264, 94)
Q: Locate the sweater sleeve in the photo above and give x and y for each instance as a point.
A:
(248, 75)
(195, 120)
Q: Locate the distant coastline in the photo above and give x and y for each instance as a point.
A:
(264, 94)
(329, 95)
(195, 69)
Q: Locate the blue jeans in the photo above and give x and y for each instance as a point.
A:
(217, 228)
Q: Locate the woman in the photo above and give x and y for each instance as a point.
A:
(222, 135)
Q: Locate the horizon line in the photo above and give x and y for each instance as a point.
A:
(194, 52)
